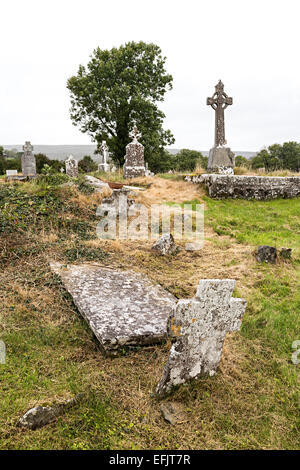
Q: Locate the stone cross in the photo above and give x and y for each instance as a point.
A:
(104, 151)
(135, 134)
(219, 102)
(134, 165)
(199, 326)
(28, 148)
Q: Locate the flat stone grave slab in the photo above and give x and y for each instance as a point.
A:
(121, 307)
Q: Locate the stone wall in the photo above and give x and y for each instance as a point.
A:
(249, 187)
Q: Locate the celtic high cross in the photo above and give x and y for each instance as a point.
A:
(219, 102)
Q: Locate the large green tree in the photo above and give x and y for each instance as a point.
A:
(276, 157)
(116, 88)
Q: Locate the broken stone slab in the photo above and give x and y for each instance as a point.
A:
(96, 183)
(122, 308)
(40, 416)
(198, 327)
(267, 254)
(165, 245)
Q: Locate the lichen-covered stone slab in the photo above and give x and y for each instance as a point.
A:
(121, 307)
(198, 327)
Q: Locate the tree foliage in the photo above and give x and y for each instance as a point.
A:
(187, 160)
(87, 164)
(120, 86)
(278, 157)
(241, 161)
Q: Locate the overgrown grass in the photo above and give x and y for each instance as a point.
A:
(253, 401)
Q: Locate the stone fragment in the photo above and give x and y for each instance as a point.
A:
(198, 327)
(28, 160)
(173, 412)
(39, 416)
(267, 254)
(134, 159)
(121, 307)
(286, 253)
(97, 184)
(165, 245)
(71, 167)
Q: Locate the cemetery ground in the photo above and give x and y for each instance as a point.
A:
(252, 402)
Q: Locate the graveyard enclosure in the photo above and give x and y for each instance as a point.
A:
(252, 402)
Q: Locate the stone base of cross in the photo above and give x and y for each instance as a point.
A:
(198, 327)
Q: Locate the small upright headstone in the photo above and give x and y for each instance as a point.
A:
(72, 167)
(220, 158)
(28, 160)
(199, 327)
(104, 165)
(134, 159)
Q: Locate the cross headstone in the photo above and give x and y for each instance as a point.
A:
(198, 327)
(71, 167)
(28, 160)
(220, 157)
(104, 165)
(134, 159)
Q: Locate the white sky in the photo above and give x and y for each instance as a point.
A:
(253, 46)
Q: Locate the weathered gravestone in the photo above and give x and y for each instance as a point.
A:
(121, 307)
(2, 352)
(134, 159)
(72, 167)
(199, 327)
(28, 160)
(104, 165)
(221, 158)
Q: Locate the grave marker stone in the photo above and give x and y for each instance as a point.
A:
(28, 160)
(199, 326)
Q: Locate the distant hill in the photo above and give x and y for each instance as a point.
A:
(205, 152)
(61, 152)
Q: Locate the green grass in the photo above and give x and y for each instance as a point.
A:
(275, 223)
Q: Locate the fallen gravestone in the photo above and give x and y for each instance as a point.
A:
(121, 307)
(165, 245)
(199, 327)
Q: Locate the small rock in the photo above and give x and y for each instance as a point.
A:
(286, 253)
(39, 416)
(267, 254)
(165, 245)
(172, 412)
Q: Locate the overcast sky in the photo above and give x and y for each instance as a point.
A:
(253, 46)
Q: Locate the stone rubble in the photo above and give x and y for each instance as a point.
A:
(165, 245)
